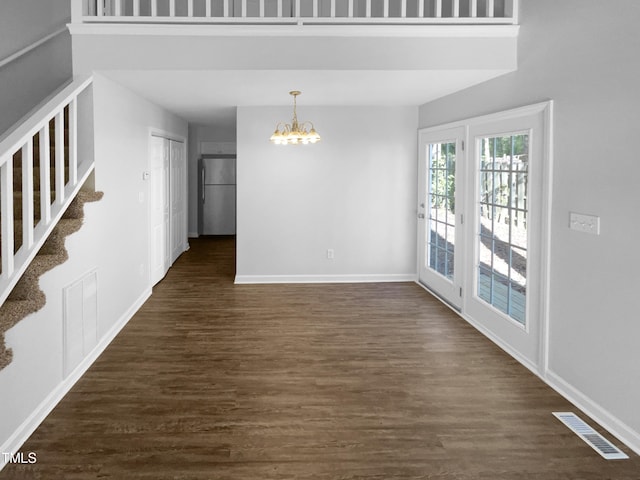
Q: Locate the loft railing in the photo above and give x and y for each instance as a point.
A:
(297, 11)
(41, 170)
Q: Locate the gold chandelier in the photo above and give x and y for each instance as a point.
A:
(294, 133)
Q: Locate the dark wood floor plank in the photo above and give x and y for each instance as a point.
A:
(212, 380)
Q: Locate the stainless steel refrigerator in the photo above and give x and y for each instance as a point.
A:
(217, 213)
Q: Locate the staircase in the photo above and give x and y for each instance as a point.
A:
(48, 196)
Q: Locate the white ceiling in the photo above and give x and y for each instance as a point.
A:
(208, 97)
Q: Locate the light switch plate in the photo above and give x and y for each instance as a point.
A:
(584, 223)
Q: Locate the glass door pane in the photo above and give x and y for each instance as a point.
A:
(442, 224)
(502, 231)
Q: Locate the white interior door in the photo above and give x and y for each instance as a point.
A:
(440, 205)
(159, 163)
(177, 193)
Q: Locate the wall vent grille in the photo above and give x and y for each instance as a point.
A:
(590, 436)
(80, 325)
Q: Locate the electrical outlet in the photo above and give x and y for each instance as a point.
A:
(584, 223)
(330, 254)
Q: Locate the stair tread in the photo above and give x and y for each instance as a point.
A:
(11, 312)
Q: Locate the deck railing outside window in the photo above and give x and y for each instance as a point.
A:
(300, 11)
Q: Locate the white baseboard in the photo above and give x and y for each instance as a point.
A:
(193, 234)
(610, 422)
(365, 278)
(26, 429)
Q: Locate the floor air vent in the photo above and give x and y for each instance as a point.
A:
(590, 436)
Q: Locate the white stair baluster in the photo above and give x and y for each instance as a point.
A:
(279, 8)
(136, 8)
(190, 8)
(420, 8)
(403, 9)
(27, 195)
(6, 211)
(368, 9)
(172, 8)
(154, 8)
(386, 9)
(207, 8)
(225, 8)
(438, 9)
(73, 141)
(473, 9)
(45, 175)
(59, 161)
(333, 8)
(262, 8)
(117, 11)
(243, 8)
(456, 8)
(350, 14)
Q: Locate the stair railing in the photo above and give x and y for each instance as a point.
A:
(297, 11)
(54, 133)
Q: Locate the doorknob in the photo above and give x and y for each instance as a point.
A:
(203, 184)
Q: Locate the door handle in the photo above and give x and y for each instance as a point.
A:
(421, 215)
(203, 176)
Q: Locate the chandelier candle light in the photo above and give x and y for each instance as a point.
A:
(294, 133)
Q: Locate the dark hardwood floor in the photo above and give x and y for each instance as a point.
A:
(212, 380)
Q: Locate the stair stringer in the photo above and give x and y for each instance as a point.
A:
(27, 297)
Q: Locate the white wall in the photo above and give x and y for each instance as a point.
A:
(354, 192)
(31, 78)
(113, 240)
(122, 123)
(583, 55)
(22, 22)
(133, 48)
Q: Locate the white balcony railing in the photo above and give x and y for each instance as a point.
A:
(298, 12)
(41, 155)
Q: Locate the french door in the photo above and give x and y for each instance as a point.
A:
(506, 253)
(483, 224)
(439, 232)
